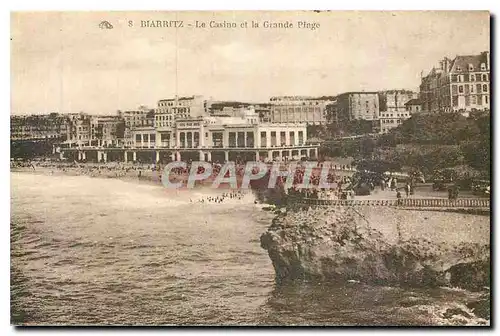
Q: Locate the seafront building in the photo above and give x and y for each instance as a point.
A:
(79, 131)
(292, 109)
(350, 106)
(461, 85)
(356, 105)
(393, 110)
(38, 127)
(207, 138)
(171, 109)
(384, 109)
(134, 120)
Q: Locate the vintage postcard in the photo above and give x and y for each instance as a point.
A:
(250, 168)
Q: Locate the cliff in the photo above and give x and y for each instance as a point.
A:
(380, 245)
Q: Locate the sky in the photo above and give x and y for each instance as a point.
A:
(63, 62)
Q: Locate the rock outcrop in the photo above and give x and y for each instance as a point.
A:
(347, 244)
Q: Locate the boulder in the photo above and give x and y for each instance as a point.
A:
(340, 244)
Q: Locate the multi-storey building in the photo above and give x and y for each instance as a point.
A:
(292, 109)
(234, 109)
(264, 112)
(393, 109)
(354, 106)
(461, 84)
(210, 138)
(79, 129)
(136, 121)
(192, 134)
(395, 100)
(32, 127)
(143, 116)
(250, 138)
(107, 130)
(169, 110)
(228, 111)
(225, 108)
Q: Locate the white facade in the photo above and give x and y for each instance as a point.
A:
(169, 110)
(232, 132)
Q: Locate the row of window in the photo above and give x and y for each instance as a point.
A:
(144, 137)
(471, 100)
(470, 67)
(171, 104)
(469, 88)
(390, 121)
(296, 109)
(139, 123)
(297, 103)
(392, 115)
(134, 118)
(174, 110)
(470, 78)
(163, 124)
(164, 117)
(263, 134)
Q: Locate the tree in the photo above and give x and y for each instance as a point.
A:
(377, 166)
(367, 146)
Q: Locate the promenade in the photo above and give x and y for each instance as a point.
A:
(403, 202)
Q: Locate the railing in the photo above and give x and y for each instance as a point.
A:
(404, 202)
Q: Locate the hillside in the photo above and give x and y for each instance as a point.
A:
(427, 143)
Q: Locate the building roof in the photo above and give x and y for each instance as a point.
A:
(413, 102)
(221, 104)
(464, 61)
(179, 98)
(401, 91)
(357, 92)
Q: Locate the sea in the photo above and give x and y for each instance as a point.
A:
(96, 251)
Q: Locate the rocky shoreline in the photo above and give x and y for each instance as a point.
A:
(339, 244)
(343, 244)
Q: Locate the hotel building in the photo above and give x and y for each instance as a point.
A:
(461, 84)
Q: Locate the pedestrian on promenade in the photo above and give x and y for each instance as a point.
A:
(393, 183)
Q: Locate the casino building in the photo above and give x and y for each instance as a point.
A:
(205, 138)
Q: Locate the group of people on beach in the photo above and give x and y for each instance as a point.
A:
(344, 185)
(88, 169)
(231, 195)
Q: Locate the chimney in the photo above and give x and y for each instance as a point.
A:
(446, 64)
(487, 57)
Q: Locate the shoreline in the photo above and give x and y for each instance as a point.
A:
(151, 175)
